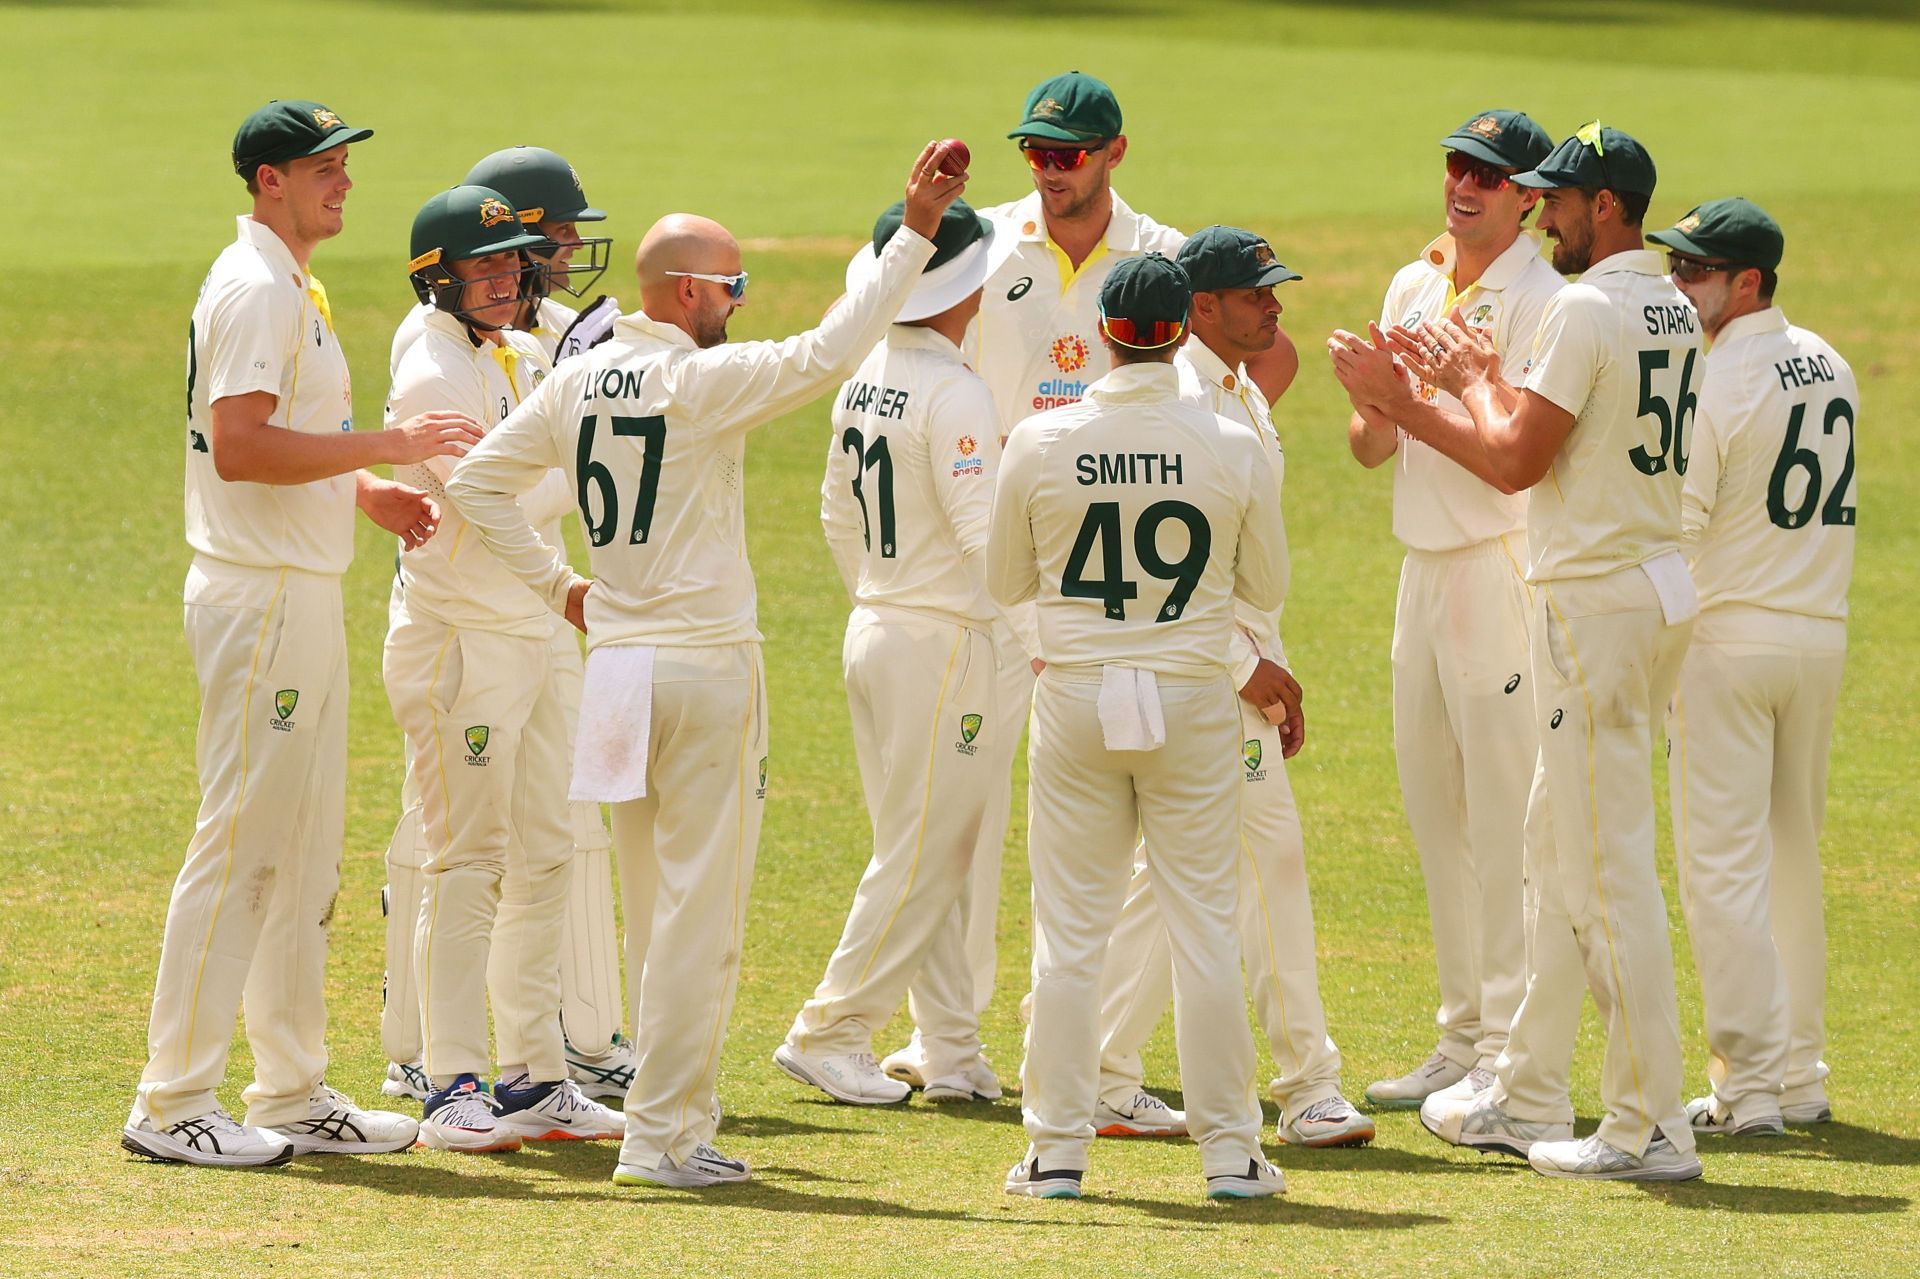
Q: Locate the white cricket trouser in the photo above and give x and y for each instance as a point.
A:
(686, 865)
(490, 752)
(955, 983)
(925, 731)
(270, 653)
(1748, 733)
(590, 1001)
(1276, 943)
(1087, 804)
(400, 901)
(1463, 735)
(1604, 663)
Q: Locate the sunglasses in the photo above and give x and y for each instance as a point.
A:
(1146, 336)
(1691, 270)
(1487, 177)
(1065, 159)
(736, 284)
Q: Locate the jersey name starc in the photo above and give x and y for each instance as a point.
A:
(1619, 348)
(1135, 519)
(1770, 491)
(909, 479)
(1037, 338)
(454, 578)
(261, 324)
(1439, 505)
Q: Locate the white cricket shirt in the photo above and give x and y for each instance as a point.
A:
(1037, 338)
(909, 480)
(1135, 519)
(652, 431)
(454, 579)
(1206, 380)
(261, 324)
(1619, 348)
(1439, 505)
(550, 321)
(1769, 495)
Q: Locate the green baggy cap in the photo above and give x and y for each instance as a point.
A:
(1509, 139)
(1597, 156)
(1147, 290)
(1732, 230)
(282, 131)
(1225, 257)
(1073, 107)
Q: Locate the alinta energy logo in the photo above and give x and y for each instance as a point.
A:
(1069, 354)
(477, 745)
(283, 703)
(969, 461)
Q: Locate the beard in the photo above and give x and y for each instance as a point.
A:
(1571, 257)
(710, 327)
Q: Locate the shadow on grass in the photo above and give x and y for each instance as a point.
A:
(1841, 1143)
(1302, 1159)
(1784, 1200)
(1275, 1210)
(777, 1126)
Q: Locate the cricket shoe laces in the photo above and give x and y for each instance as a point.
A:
(336, 1124)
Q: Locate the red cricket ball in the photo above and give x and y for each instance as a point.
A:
(958, 158)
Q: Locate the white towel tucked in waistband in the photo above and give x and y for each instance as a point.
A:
(1130, 709)
(616, 716)
(1679, 601)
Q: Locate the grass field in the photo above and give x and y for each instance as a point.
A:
(792, 123)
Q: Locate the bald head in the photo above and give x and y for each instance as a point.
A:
(687, 242)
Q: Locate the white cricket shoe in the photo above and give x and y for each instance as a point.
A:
(1479, 1124)
(1026, 1178)
(1806, 1104)
(407, 1079)
(465, 1118)
(1706, 1114)
(1414, 1087)
(212, 1140)
(705, 1167)
(1260, 1179)
(1594, 1160)
(855, 1078)
(1331, 1121)
(1477, 1081)
(555, 1112)
(335, 1125)
(1143, 1116)
(606, 1076)
(973, 1082)
(909, 1064)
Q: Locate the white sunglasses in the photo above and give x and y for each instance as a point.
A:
(736, 284)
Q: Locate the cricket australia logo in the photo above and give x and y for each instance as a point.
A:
(1482, 314)
(494, 212)
(477, 745)
(1251, 754)
(325, 118)
(969, 729)
(761, 792)
(283, 703)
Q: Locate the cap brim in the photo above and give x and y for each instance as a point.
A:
(1051, 132)
(338, 138)
(1275, 274)
(1474, 147)
(1542, 182)
(949, 284)
(1674, 238)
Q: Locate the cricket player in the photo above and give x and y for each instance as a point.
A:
(1462, 707)
(547, 194)
(1767, 506)
(1598, 435)
(1233, 274)
(651, 429)
(911, 462)
(470, 673)
(1136, 519)
(273, 473)
(1036, 342)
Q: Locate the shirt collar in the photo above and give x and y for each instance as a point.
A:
(1768, 320)
(1211, 368)
(271, 247)
(1635, 261)
(1137, 384)
(441, 322)
(1441, 254)
(640, 324)
(918, 337)
(1123, 228)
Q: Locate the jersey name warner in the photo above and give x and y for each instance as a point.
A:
(880, 401)
(1128, 468)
